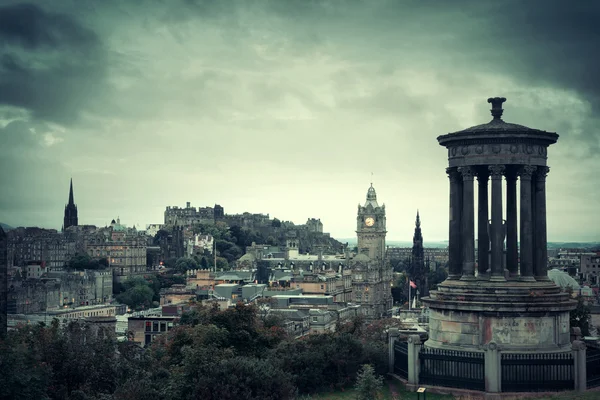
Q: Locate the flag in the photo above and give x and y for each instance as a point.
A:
(413, 285)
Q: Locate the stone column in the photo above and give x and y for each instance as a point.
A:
(454, 238)
(580, 365)
(497, 228)
(512, 255)
(393, 334)
(483, 239)
(468, 225)
(526, 224)
(492, 369)
(541, 241)
(414, 348)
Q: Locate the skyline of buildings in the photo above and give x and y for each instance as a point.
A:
(190, 214)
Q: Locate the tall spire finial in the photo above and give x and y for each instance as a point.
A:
(71, 201)
(371, 179)
(497, 106)
(418, 222)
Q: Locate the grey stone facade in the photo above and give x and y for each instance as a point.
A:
(506, 298)
(371, 271)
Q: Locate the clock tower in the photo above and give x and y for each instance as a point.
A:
(370, 226)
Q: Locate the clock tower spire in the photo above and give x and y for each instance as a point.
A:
(371, 274)
(371, 226)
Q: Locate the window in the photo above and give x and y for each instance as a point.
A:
(314, 319)
(163, 327)
(322, 286)
(148, 326)
(155, 326)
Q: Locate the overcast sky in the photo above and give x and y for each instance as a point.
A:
(286, 107)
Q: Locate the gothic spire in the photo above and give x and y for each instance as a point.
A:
(70, 218)
(418, 222)
(71, 201)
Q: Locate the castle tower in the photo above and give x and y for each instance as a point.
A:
(70, 218)
(517, 308)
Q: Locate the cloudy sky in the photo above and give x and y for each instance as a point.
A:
(286, 107)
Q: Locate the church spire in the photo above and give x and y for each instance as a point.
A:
(418, 222)
(70, 218)
(71, 201)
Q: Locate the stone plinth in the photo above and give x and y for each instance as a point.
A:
(524, 316)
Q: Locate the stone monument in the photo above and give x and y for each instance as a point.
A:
(495, 296)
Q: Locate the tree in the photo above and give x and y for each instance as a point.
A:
(184, 264)
(368, 385)
(83, 261)
(203, 263)
(222, 263)
(138, 293)
(580, 317)
(276, 223)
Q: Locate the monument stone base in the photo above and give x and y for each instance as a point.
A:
(517, 316)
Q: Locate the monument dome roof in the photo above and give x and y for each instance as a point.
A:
(497, 124)
(361, 257)
(562, 279)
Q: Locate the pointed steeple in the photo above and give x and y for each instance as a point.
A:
(418, 222)
(70, 218)
(71, 201)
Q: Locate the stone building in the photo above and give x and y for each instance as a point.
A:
(57, 290)
(144, 329)
(590, 267)
(47, 246)
(176, 216)
(124, 249)
(314, 225)
(371, 273)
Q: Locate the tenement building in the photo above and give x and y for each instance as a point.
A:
(124, 248)
(371, 273)
(504, 300)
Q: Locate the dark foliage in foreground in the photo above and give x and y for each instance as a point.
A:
(213, 354)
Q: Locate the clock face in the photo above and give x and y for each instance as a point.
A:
(369, 221)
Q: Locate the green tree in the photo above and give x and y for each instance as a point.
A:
(137, 293)
(368, 385)
(276, 223)
(203, 263)
(184, 264)
(580, 317)
(222, 263)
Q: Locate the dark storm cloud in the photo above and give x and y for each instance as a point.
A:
(32, 27)
(49, 63)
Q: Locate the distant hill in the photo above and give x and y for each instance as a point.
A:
(398, 243)
(6, 227)
(552, 245)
